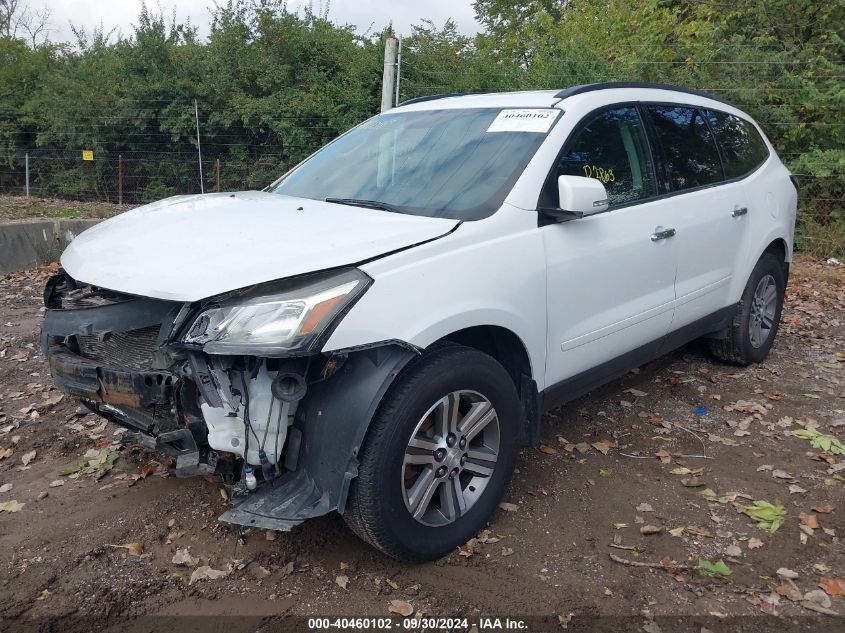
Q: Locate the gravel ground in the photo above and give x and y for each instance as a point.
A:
(653, 469)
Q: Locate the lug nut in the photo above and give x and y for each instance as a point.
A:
(451, 439)
(463, 459)
(454, 473)
(441, 471)
(440, 454)
(463, 443)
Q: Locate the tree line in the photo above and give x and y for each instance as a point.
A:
(272, 85)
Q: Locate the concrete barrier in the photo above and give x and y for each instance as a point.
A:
(28, 243)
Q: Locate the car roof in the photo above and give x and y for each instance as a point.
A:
(596, 94)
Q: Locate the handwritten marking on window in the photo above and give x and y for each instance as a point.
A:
(599, 173)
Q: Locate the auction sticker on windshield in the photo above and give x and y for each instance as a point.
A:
(524, 120)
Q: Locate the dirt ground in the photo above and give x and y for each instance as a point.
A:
(679, 447)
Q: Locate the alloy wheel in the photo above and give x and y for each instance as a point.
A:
(763, 309)
(450, 458)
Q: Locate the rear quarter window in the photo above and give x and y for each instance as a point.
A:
(690, 156)
(743, 149)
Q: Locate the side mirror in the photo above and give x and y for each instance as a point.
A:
(582, 195)
(579, 197)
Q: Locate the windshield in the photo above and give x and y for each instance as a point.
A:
(457, 164)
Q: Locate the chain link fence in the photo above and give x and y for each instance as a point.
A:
(133, 177)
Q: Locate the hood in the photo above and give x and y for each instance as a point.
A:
(187, 248)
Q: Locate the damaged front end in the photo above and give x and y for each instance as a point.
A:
(233, 386)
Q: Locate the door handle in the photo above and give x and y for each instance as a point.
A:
(662, 235)
(739, 211)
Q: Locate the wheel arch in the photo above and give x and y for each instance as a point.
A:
(510, 351)
(779, 248)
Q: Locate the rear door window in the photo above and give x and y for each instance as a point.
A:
(612, 147)
(743, 149)
(690, 155)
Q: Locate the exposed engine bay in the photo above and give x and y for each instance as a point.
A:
(284, 431)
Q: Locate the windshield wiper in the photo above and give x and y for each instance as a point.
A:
(368, 204)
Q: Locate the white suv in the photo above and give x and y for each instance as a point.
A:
(377, 332)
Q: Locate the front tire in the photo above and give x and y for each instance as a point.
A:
(437, 456)
(755, 323)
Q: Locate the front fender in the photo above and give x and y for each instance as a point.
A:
(333, 419)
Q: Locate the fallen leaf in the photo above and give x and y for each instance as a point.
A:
(636, 393)
(795, 489)
(789, 590)
(692, 482)
(733, 551)
(781, 474)
(5, 487)
(606, 472)
(508, 507)
(26, 458)
(697, 531)
(183, 557)
(783, 572)
(678, 531)
(548, 450)
(768, 603)
(401, 607)
(11, 506)
(644, 507)
(822, 509)
(57, 482)
(136, 549)
(468, 549)
(6, 452)
(507, 551)
(819, 597)
(663, 456)
(604, 446)
(207, 573)
(769, 516)
(648, 530)
(810, 520)
(342, 581)
(754, 543)
(832, 586)
(719, 568)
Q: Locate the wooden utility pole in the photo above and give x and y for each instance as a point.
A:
(391, 46)
(218, 175)
(120, 178)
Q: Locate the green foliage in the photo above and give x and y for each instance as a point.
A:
(827, 443)
(272, 86)
(719, 568)
(769, 516)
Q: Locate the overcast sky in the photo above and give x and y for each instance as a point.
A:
(362, 13)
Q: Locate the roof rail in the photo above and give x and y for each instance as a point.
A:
(577, 90)
(442, 95)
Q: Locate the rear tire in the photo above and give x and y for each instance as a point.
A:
(437, 457)
(755, 323)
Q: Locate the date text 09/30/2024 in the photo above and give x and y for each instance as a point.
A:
(419, 623)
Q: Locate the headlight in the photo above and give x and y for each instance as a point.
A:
(276, 323)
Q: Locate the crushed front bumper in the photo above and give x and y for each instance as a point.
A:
(90, 381)
(113, 352)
